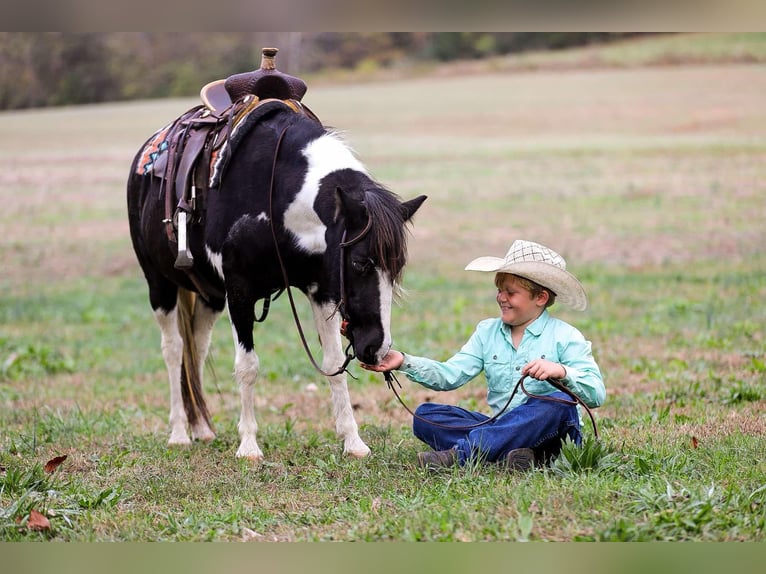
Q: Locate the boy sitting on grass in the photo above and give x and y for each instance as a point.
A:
(525, 340)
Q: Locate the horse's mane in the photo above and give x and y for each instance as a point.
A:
(388, 243)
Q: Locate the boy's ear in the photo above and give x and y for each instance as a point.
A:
(543, 297)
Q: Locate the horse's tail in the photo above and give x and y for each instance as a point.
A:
(191, 381)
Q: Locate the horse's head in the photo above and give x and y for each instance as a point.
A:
(373, 253)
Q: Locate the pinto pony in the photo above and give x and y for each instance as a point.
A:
(288, 205)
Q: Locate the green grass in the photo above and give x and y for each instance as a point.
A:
(656, 50)
(650, 181)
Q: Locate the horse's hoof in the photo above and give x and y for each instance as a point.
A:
(254, 458)
(250, 451)
(358, 451)
(179, 440)
(203, 434)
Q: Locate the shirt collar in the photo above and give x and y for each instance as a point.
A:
(537, 326)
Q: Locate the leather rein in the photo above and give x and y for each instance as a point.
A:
(391, 379)
(349, 356)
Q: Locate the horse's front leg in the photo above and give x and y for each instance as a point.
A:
(332, 359)
(246, 366)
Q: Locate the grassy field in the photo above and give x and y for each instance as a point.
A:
(651, 181)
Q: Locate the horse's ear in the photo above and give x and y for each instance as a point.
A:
(410, 207)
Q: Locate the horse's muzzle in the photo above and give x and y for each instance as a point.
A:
(367, 349)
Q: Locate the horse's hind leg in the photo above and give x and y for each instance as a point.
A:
(172, 352)
(205, 317)
(332, 359)
(165, 300)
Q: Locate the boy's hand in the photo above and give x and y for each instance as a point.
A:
(393, 360)
(542, 369)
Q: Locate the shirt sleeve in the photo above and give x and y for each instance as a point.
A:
(583, 374)
(447, 375)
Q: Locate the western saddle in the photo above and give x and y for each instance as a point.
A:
(195, 139)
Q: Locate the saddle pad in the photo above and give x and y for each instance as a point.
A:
(156, 145)
(153, 157)
(243, 123)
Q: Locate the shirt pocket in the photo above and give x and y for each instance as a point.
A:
(501, 376)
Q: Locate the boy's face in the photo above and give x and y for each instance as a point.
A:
(517, 306)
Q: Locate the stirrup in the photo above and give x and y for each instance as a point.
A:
(184, 259)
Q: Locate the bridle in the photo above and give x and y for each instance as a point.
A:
(391, 379)
(340, 307)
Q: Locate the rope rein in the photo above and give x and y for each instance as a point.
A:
(390, 378)
(349, 356)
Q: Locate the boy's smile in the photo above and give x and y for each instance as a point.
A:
(517, 306)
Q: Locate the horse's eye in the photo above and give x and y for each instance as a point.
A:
(362, 266)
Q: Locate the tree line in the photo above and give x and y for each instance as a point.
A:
(40, 69)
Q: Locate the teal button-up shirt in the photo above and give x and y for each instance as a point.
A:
(491, 350)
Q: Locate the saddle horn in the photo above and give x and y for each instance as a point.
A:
(266, 82)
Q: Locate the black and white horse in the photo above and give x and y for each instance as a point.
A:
(341, 240)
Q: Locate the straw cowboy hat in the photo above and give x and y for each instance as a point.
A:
(539, 264)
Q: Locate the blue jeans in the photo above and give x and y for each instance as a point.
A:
(537, 424)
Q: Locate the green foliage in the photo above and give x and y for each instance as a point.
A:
(676, 512)
(31, 361)
(27, 487)
(592, 455)
(742, 392)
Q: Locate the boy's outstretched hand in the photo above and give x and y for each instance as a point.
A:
(393, 360)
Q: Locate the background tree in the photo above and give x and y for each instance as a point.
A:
(56, 68)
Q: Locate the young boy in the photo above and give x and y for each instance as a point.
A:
(525, 340)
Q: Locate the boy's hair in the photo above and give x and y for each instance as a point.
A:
(534, 288)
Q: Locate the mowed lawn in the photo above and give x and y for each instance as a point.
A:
(650, 181)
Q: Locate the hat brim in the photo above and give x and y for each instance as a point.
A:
(569, 291)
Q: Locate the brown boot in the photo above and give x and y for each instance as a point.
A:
(520, 460)
(436, 459)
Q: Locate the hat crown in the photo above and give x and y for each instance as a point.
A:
(528, 251)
